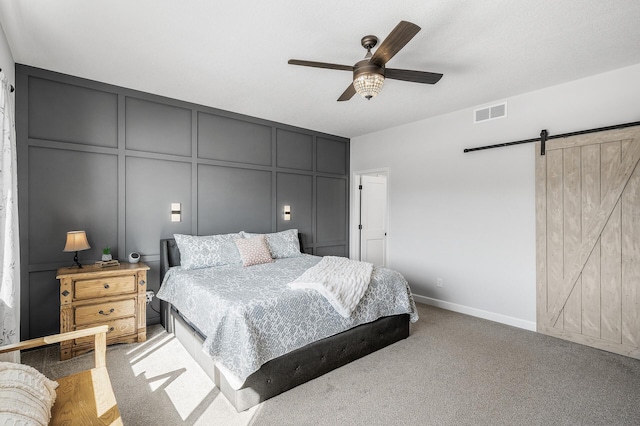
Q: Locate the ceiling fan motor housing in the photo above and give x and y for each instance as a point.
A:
(365, 67)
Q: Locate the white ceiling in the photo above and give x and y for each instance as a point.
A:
(233, 55)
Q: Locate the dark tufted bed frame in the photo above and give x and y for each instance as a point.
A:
(287, 371)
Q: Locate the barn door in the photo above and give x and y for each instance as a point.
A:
(588, 240)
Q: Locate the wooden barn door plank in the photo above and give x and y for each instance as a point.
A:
(610, 250)
(590, 163)
(555, 225)
(631, 258)
(572, 228)
(541, 240)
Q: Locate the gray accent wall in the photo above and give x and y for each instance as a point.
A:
(110, 161)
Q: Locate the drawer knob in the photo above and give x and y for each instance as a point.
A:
(101, 312)
(142, 282)
(106, 286)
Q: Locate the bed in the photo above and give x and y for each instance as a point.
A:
(294, 349)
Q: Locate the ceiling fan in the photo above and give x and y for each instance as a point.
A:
(369, 73)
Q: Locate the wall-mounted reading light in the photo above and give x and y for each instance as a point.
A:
(175, 212)
(287, 212)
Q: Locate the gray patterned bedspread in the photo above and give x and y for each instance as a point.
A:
(251, 316)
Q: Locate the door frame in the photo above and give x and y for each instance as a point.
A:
(354, 220)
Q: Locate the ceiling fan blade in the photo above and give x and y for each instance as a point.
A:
(396, 40)
(348, 94)
(414, 76)
(320, 65)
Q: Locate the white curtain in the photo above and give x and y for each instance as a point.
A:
(9, 244)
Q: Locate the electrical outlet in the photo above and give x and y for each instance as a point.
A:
(150, 295)
(439, 282)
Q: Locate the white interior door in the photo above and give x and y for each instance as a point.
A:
(373, 220)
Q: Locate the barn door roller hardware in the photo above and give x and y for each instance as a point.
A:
(544, 137)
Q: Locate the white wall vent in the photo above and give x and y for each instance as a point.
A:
(490, 113)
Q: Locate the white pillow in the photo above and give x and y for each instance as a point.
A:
(281, 244)
(205, 251)
(26, 396)
(254, 251)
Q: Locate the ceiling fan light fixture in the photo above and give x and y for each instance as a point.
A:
(369, 73)
(368, 85)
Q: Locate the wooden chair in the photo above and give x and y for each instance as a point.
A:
(84, 398)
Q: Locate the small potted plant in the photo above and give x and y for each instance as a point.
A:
(106, 254)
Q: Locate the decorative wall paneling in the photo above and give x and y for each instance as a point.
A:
(111, 160)
(588, 240)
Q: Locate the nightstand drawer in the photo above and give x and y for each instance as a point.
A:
(117, 327)
(102, 312)
(107, 286)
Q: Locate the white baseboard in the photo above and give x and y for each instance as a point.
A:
(492, 316)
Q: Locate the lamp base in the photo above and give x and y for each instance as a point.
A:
(76, 264)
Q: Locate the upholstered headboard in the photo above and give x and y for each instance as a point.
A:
(169, 256)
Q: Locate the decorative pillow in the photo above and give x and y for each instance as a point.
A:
(205, 251)
(281, 244)
(26, 396)
(254, 250)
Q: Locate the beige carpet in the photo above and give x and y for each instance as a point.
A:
(452, 370)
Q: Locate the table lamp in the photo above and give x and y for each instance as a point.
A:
(76, 241)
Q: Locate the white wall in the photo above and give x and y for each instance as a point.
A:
(470, 218)
(6, 59)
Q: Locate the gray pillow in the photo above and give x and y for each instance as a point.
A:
(205, 251)
(281, 244)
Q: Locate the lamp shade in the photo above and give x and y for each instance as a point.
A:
(368, 85)
(76, 241)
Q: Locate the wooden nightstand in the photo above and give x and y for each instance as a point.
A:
(115, 296)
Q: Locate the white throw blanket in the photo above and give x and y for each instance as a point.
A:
(341, 281)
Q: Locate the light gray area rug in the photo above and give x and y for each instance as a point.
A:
(452, 370)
